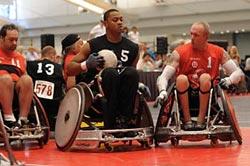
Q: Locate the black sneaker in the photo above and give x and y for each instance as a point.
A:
(12, 125)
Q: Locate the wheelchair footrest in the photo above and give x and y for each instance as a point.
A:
(110, 135)
(213, 131)
(27, 133)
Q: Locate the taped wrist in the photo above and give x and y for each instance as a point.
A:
(165, 76)
(84, 66)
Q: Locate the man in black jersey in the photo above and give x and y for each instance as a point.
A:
(120, 88)
(48, 82)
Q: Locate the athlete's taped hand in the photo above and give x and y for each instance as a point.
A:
(94, 60)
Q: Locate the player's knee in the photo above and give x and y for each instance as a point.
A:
(6, 80)
(205, 82)
(182, 83)
(25, 81)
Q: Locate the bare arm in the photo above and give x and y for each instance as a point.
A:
(74, 67)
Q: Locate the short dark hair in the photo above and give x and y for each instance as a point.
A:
(6, 27)
(106, 14)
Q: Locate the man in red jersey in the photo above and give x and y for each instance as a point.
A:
(196, 65)
(13, 78)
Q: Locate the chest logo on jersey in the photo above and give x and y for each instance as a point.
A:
(194, 64)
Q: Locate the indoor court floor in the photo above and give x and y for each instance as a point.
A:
(185, 154)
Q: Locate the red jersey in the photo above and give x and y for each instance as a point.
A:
(13, 59)
(193, 62)
(67, 60)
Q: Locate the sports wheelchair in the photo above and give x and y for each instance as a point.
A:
(38, 128)
(80, 123)
(221, 121)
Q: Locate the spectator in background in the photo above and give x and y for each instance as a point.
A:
(158, 61)
(234, 55)
(146, 63)
(97, 30)
(32, 54)
(125, 32)
(133, 35)
(71, 45)
(20, 49)
(48, 82)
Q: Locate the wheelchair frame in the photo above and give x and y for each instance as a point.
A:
(92, 137)
(39, 132)
(222, 125)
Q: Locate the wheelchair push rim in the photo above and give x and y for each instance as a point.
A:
(230, 113)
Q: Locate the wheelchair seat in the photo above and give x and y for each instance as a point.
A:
(221, 122)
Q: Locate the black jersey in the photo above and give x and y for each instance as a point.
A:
(126, 50)
(47, 78)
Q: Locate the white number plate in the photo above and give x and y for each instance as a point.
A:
(44, 89)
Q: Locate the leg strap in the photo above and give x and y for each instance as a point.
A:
(204, 92)
(182, 91)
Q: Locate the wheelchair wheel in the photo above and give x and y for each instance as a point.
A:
(230, 113)
(164, 115)
(146, 119)
(70, 116)
(44, 122)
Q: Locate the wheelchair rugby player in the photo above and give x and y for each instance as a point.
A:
(203, 109)
(110, 92)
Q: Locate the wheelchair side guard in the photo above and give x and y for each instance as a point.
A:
(89, 97)
(42, 119)
(69, 117)
(164, 115)
(39, 131)
(75, 129)
(145, 119)
(230, 113)
(224, 128)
